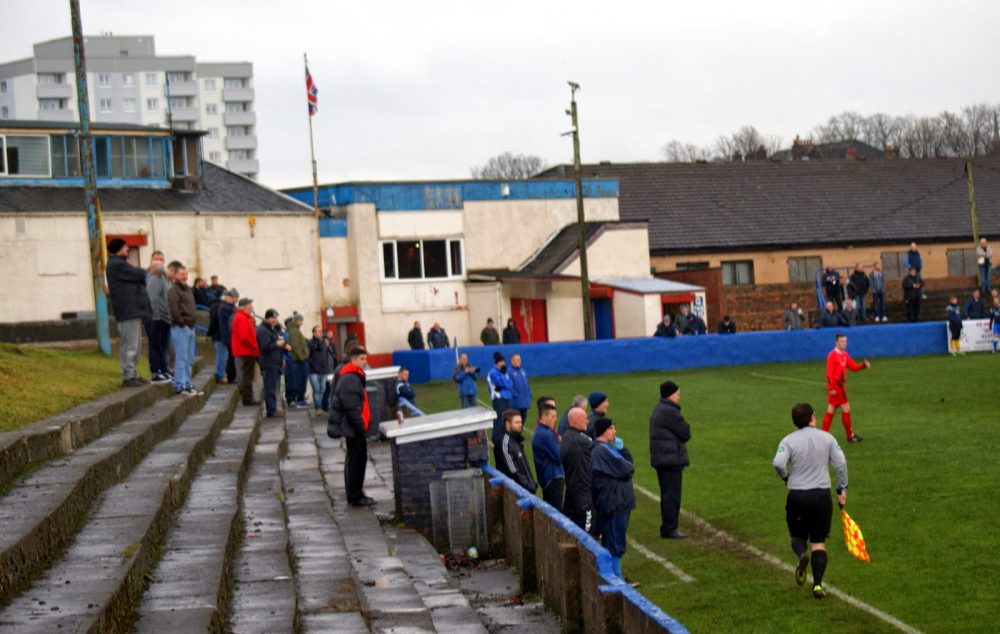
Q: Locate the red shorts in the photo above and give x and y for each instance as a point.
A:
(838, 399)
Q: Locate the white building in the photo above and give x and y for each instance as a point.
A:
(128, 83)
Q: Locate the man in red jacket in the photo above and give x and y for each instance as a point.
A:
(245, 349)
(350, 416)
(838, 362)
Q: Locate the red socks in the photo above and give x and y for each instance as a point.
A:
(827, 419)
(845, 418)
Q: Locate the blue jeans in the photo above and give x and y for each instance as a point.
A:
(221, 358)
(183, 339)
(984, 276)
(467, 401)
(860, 302)
(405, 403)
(318, 384)
(272, 380)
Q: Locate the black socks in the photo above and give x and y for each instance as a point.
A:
(799, 546)
(818, 566)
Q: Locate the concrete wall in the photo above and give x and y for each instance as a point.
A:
(338, 287)
(636, 315)
(616, 253)
(617, 356)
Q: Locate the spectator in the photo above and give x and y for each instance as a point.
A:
(695, 325)
(216, 334)
(489, 335)
(665, 328)
(831, 317)
(215, 287)
(509, 455)
(668, 437)
(350, 417)
(272, 346)
(296, 362)
(157, 324)
(203, 296)
(406, 396)
(331, 362)
(831, 286)
(354, 342)
(321, 355)
(877, 283)
(995, 322)
(437, 337)
(614, 497)
(793, 317)
(245, 349)
(575, 449)
(227, 310)
(183, 316)
(913, 288)
(850, 314)
(415, 338)
(984, 257)
(914, 261)
(511, 335)
(520, 389)
(500, 393)
(954, 316)
(727, 326)
(548, 462)
(579, 402)
(129, 305)
(857, 289)
(466, 375)
(974, 307)
(599, 405)
(682, 320)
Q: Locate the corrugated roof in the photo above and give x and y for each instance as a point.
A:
(648, 285)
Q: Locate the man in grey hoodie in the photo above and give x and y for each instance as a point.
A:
(158, 281)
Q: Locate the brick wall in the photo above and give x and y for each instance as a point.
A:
(711, 279)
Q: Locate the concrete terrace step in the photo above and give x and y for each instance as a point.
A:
(263, 598)
(99, 579)
(42, 510)
(327, 598)
(190, 587)
(77, 426)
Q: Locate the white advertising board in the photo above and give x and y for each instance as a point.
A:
(976, 335)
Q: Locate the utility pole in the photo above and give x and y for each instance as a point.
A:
(588, 332)
(95, 231)
(972, 207)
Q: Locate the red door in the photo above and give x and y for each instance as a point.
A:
(531, 319)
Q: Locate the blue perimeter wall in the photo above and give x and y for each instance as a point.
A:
(620, 356)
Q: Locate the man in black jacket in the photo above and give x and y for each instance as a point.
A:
(350, 417)
(857, 289)
(614, 497)
(510, 456)
(665, 328)
(668, 435)
(437, 337)
(322, 361)
(913, 291)
(272, 348)
(575, 450)
(416, 337)
(130, 305)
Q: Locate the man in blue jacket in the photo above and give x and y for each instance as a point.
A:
(406, 396)
(548, 462)
(614, 497)
(520, 390)
(500, 393)
(465, 374)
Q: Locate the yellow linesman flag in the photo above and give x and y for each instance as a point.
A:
(853, 539)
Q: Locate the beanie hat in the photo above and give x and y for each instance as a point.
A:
(296, 316)
(270, 313)
(497, 357)
(668, 389)
(596, 398)
(115, 245)
(601, 425)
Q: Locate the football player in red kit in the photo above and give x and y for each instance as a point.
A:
(838, 362)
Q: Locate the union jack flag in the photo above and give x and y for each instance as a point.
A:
(311, 93)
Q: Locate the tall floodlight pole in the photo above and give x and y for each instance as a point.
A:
(95, 231)
(580, 222)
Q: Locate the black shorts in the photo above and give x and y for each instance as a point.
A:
(808, 514)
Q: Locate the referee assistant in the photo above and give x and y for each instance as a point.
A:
(802, 461)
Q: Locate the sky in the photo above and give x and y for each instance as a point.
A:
(427, 90)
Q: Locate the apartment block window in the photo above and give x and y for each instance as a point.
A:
(241, 155)
(51, 104)
(803, 269)
(178, 102)
(215, 157)
(3, 87)
(894, 264)
(24, 155)
(213, 133)
(211, 108)
(104, 80)
(152, 104)
(422, 259)
(4, 112)
(104, 105)
(128, 104)
(239, 130)
(210, 84)
(152, 79)
(692, 266)
(176, 77)
(128, 79)
(51, 78)
(234, 82)
(962, 262)
(237, 106)
(737, 273)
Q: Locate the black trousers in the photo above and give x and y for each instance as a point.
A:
(272, 381)
(553, 492)
(158, 334)
(246, 366)
(587, 520)
(913, 309)
(230, 365)
(355, 466)
(670, 499)
(878, 303)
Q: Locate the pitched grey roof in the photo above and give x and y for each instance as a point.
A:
(223, 191)
(836, 150)
(694, 207)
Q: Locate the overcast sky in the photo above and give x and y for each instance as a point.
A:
(426, 90)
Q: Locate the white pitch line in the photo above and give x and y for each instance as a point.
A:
(774, 561)
(761, 375)
(671, 568)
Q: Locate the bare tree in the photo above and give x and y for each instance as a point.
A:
(880, 129)
(923, 138)
(840, 127)
(509, 166)
(679, 152)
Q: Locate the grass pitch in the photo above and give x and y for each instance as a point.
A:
(922, 488)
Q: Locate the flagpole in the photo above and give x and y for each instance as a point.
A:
(312, 157)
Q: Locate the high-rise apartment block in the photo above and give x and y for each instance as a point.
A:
(128, 83)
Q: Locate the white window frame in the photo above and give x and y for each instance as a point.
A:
(152, 103)
(57, 79)
(48, 158)
(109, 101)
(215, 157)
(395, 260)
(211, 108)
(4, 112)
(213, 133)
(125, 104)
(210, 84)
(104, 80)
(3, 86)
(128, 80)
(58, 102)
(238, 82)
(152, 79)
